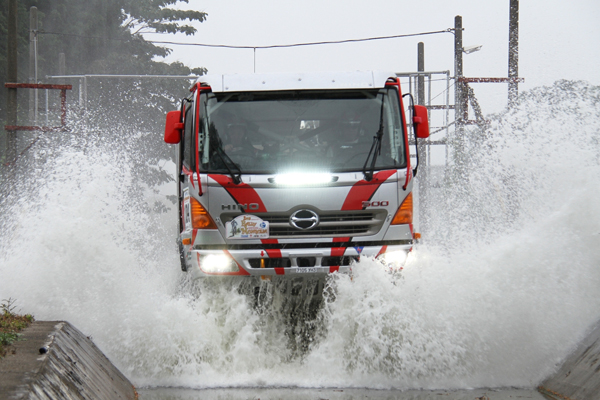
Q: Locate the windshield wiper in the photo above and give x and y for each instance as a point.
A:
(375, 147)
(227, 161)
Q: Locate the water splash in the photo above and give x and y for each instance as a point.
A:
(504, 286)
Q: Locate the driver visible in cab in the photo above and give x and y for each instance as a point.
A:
(236, 134)
(349, 140)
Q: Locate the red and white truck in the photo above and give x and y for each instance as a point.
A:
(294, 173)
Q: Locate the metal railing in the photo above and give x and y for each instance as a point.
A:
(63, 106)
(83, 81)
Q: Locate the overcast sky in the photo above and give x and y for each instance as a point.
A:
(558, 39)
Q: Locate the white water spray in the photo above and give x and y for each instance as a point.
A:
(505, 285)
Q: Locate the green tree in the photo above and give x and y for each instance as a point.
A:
(98, 37)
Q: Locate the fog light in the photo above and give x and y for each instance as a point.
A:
(218, 263)
(393, 259)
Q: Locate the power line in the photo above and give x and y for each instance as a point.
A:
(449, 30)
(304, 44)
(443, 91)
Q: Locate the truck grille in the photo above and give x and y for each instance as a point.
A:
(331, 223)
(302, 262)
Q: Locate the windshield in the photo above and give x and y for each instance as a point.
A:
(299, 131)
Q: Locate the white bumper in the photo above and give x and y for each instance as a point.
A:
(288, 262)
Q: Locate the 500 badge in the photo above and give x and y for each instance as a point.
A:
(383, 203)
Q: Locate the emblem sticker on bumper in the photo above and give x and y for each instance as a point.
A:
(247, 227)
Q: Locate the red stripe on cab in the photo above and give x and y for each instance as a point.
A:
(242, 193)
(364, 190)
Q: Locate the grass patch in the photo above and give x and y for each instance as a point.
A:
(10, 324)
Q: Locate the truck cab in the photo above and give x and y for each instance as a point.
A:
(295, 173)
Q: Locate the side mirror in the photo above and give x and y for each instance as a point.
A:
(173, 127)
(421, 122)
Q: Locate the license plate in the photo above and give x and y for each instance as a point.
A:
(309, 270)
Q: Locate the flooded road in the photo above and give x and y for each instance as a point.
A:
(336, 394)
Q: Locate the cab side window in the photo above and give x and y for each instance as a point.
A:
(188, 136)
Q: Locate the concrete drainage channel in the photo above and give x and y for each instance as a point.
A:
(56, 361)
(579, 376)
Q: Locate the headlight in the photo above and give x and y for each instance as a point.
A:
(218, 263)
(394, 259)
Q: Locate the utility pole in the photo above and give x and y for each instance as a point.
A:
(422, 146)
(459, 94)
(421, 78)
(458, 70)
(61, 65)
(513, 53)
(11, 112)
(33, 94)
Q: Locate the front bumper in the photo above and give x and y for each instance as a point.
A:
(284, 261)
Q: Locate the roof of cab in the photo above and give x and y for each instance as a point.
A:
(297, 81)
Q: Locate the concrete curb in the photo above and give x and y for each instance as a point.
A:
(56, 361)
(579, 376)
